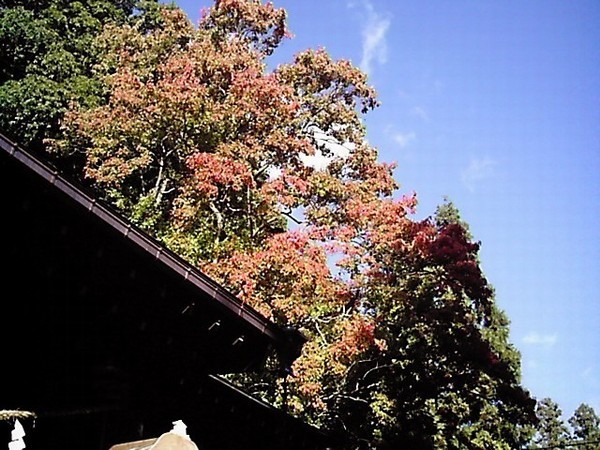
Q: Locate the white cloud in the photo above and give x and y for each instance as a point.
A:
(403, 139)
(274, 173)
(374, 44)
(546, 340)
(318, 161)
(477, 170)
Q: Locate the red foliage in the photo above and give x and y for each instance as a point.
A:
(210, 173)
(357, 336)
(453, 250)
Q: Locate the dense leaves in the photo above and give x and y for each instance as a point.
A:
(47, 55)
(265, 180)
(435, 379)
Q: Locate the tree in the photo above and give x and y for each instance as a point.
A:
(47, 58)
(445, 376)
(551, 430)
(197, 143)
(586, 427)
(190, 131)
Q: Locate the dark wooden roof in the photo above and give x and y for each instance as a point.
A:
(66, 248)
(98, 316)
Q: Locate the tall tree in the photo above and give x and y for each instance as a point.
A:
(200, 145)
(551, 431)
(47, 58)
(586, 428)
(445, 375)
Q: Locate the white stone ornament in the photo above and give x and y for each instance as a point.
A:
(17, 435)
(180, 428)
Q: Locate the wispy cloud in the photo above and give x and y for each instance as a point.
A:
(478, 169)
(419, 112)
(374, 29)
(403, 139)
(545, 340)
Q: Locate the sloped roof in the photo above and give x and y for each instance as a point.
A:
(104, 329)
(21, 189)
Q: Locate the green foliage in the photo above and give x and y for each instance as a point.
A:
(551, 430)
(47, 57)
(29, 107)
(447, 213)
(585, 425)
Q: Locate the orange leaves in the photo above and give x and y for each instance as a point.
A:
(288, 280)
(308, 380)
(211, 173)
(286, 189)
(123, 163)
(178, 84)
(329, 356)
(132, 46)
(377, 177)
(176, 93)
(260, 25)
(357, 335)
(330, 89)
(260, 111)
(261, 99)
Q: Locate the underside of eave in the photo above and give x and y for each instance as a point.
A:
(287, 342)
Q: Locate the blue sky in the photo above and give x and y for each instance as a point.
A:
(495, 104)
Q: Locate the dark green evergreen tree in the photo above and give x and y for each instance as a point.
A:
(47, 58)
(447, 213)
(585, 425)
(551, 431)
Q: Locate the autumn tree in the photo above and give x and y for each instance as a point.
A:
(441, 372)
(196, 142)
